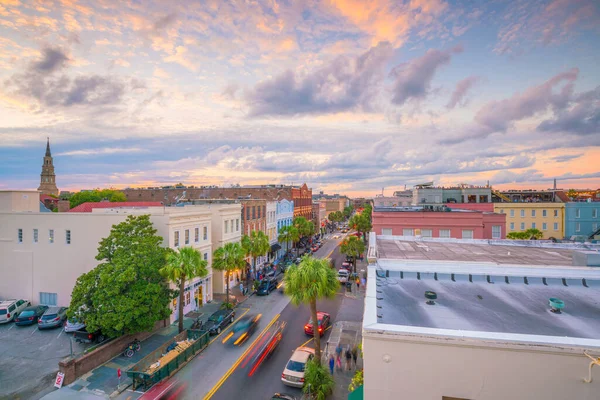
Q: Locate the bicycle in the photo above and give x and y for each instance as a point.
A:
(132, 348)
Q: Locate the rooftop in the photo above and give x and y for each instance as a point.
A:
(89, 206)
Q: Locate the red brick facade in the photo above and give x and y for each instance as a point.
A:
(302, 197)
(253, 216)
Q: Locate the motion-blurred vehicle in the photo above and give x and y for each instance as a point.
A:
(264, 346)
(266, 286)
(171, 389)
(293, 373)
(219, 320)
(9, 309)
(30, 315)
(324, 321)
(243, 329)
(53, 318)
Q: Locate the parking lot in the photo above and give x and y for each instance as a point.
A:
(30, 358)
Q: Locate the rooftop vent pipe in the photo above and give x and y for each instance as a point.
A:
(556, 305)
(431, 297)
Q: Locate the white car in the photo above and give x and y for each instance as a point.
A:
(343, 275)
(73, 325)
(293, 373)
(9, 309)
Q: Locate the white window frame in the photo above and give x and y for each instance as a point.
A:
(544, 226)
(426, 232)
(443, 232)
(533, 225)
(196, 235)
(594, 226)
(594, 213)
(578, 213)
(176, 239)
(577, 227)
(186, 236)
(512, 213)
(386, 231)
(556, 226)
(205, 233)
(496, 231)
(522, 226)
(555, 213)
(410, 231)
(465, 231)
(512, 226)
(50, 236)
(48, 299)
(205, 256)
(237, 224)
(231, 226)
(522, 213)
(544, 213)
(20, 235)
(533, 213)
(226, 225)
(68, 236)
(36, 235)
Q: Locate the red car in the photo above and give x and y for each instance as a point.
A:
(324, 321)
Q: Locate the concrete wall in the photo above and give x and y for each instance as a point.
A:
(580, 219)
(412, 368)
(529, 219)
(19, 201)
(485, 207)
(393, 201)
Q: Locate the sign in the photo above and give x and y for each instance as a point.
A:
(119, 372)
(58, 382)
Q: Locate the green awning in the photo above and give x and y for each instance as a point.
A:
(357, 394)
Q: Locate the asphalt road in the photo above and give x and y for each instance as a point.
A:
(267, 380)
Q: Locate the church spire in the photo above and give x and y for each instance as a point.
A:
(48, 148)
(47, 177)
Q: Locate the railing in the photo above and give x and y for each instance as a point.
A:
(142, 379)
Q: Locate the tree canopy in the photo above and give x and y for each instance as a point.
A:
(353, 247)
(361, 223)
(96, 195)
(126, 293)
(256, 245)
(348, 211)
(529, 234)
(228, 258)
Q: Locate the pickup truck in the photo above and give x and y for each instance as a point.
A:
(83, 336)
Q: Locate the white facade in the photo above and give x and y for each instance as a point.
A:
(226, 228)
(284, 217)
(271, 218)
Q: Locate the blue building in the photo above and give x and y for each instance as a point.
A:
(285, 217)
(582, 218)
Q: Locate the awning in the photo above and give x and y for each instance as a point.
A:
(275, 247)
(357, 394)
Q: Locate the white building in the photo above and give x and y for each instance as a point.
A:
(490, 333)
(285, 217)
(271, 218)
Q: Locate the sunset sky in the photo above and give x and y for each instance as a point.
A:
(348, 96)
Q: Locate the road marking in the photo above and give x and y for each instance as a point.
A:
(12, 326)
(230, 325)
(313, 338)
(239, 360)
(60, 333)
(32, 332)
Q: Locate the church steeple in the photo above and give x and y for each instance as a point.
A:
(47, 177)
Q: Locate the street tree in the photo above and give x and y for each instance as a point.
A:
(347, 212)
(96, 195)
(294, 237)
(303, 226)
(285, 237)
(182, 265)
(308, 282)
(352, 246)
(256, 245)
(361, 223)
(228, 258)
(125, 293)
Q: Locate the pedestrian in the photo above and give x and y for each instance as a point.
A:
(331, 363)
(348, 358)
(242, 288)
(355, 355)
(357, 284)
(338, 356)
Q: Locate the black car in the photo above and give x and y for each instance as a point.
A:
(219, 320)
(243, 329)
(266, 286)
(83, 336)
(30, 315)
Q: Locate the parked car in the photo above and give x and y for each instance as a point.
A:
(324, 321)
(53, 318)
(343, 275)
(219, 320)
(293, 373)
(83, 336)
(243, 329)
(30, 315)
(73, 325)
(266, 286)
(9, 309)
(283, 396)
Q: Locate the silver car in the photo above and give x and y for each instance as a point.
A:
(53, 318)
(73, 325)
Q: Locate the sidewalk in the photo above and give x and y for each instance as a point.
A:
(103, 381)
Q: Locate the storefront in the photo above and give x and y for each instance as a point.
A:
(196, 294)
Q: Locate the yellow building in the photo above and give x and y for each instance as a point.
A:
(547, 217)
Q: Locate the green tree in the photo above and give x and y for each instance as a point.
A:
(534, 234)
(353, 247)
(126, 293)
(318, 383)
(304, 226)
(357, 380)
(517, 236)
(285, 236)
(572, 193)
(186, 263)
(229, 258)
(361, 223)
(96, 195)
(308, 282)
(347, 211)
(255, 245)
(294, 237)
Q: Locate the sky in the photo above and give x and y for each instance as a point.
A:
(350, 96)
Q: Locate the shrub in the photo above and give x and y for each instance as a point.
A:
(357, 380)
(318, 383)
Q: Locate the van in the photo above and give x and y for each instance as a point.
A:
(343, 275)
(9, 309)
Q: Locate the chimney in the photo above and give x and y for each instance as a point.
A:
(63, 205)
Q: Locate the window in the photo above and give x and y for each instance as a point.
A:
(577, 227)
(205, 256)
(544, 213)
(502, 211)
(426, 233)
(408, 232)
(187, 298)
(48, 299)
(231, 226)
(533, 213)
(186, 236)
(226, 226)
(258, 212)
(444, 233)
(247, 213)
(237, 225)
(577, 213)
(556, 226)
(533, 225)
(467, 234)
(544, 226)
(50, 235)
(522, 213)
(512, 213)
(522, 226)
(253, 212)
(386, 231)
(20, 235)
(594, 227)
(196, 235)
(512, 226)
(35, 236)
(176, 239)
(496, 231)
(594, 213)
(556, 213)
(205, 233)
(68, 236)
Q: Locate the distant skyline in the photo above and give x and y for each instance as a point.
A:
(348, 96)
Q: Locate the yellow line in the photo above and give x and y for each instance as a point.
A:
(313, 338)
(239, 360)
(230, 325)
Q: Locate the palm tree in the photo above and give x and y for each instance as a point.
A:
(294, 237)
(353, 247)
(303, 226)
(308, 282)
(285, 237)
(228, 258)
(186, 263)
(255, 245)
